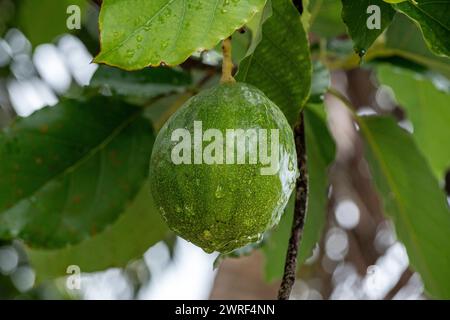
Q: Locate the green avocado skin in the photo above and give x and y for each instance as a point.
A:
(221, 207)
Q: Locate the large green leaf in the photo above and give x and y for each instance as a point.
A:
(355, 16)
(429, 111)
(147, 33)
(280, 65)
(403, 38)
(68, 171)
(412, 198)
(320, 152)
(432, 16)
(43, 20)
(139, 227)
(146, 83)
(325, 20)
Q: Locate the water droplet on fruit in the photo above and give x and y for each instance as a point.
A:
(219, 192)
(189, 211)
(207, 234)
(148, 26)
(130, 53)
(291, 165)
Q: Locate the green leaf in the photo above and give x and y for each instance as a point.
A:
(429, 111)
(320, 150)
(146, 83)
(412, 198)
(69, 170)
(280, 65)
(403, 38)
(43, 20)
(255, 26)
(432, 16)
(356, 16)
(138, 228)
(147, 33)
(325, 18)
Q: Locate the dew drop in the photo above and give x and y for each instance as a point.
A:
(291, 165)
(188, 210)
(207, 234)
(148, 26)
(163, 212)
(139, 38)
(223, 11)
(130, 53)
(219, 192)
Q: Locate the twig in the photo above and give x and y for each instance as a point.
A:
(290, 267)
(227, 64)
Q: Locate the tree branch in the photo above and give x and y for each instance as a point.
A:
(290, 267)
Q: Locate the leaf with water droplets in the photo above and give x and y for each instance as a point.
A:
(280, 65)
(365, 21)
(168, 31)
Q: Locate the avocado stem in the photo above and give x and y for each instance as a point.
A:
(227, 63)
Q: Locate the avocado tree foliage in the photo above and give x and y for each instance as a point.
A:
(74, 177)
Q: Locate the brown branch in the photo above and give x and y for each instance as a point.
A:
(290, 267)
